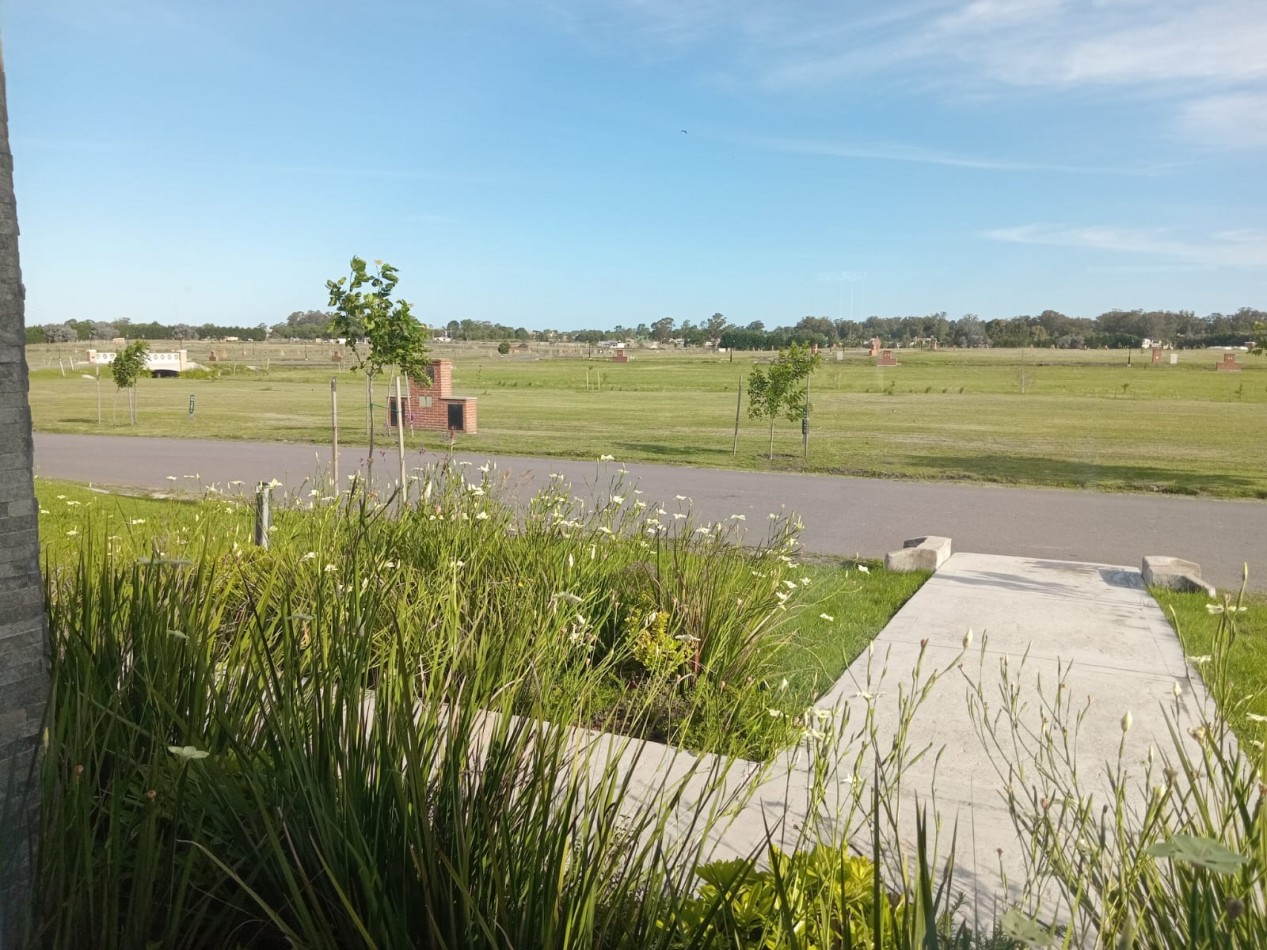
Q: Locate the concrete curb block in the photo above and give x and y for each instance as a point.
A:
(919, 554)
(1174, 573)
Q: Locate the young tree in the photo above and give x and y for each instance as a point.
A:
(126, 369)
(381, 332)
(777, 391)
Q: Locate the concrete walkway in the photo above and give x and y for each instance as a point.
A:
(1035, 623)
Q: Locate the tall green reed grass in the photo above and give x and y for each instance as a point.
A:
(362, 735)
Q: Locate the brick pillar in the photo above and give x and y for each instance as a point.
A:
(23, 645)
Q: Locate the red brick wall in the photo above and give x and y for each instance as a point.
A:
(437, 390)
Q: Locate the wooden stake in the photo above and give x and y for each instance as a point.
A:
(400, 444)
(334, 431)
(734, 449)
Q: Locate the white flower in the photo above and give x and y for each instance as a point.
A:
(271, 483)
(828, 617)
(484, 468)
(738, 518)
(1254, 717)
(482, 516)
(775, 713)
(329, 569)
(171, 478)
(137, 521)
(72, 533)
(187, 752)
(43, 511)
(678, 516)
(1176, 689)
(1199, 660)
(864, 569)
(603, 529)
(863, 694)
(618, 499)
(607, 458)
(790, 585)
(309, 556)
(236, 482)
(681, 498)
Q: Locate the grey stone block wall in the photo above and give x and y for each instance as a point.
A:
(23, 644)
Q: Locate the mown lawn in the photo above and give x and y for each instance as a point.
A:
(1064, 419)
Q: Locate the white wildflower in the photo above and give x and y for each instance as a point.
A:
(862, 568)
(828, 617)
(187, 752)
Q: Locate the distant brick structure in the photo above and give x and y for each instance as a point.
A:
(873, 348)
(432, 405)
(886, 358)
(1229, 364)
(1156, 355)
(620, 356)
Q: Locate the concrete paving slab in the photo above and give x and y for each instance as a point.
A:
(1036, 624)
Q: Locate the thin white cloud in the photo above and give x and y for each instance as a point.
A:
(1164, 50)
(915, 154)
(1230, 248)
(1238, 120)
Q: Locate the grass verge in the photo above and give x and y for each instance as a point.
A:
(1235, 627)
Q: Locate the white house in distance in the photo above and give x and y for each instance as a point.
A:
(169, 363)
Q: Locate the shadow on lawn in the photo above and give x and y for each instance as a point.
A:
(1056, 471)
(655, 449)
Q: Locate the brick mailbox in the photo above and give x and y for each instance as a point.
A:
(432, 405)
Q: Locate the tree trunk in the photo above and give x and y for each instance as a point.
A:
(132, 402)
(369, 408)
(23, 644)
(771, 455)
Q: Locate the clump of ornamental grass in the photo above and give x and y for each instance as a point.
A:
(1170, 851)
(356, 737)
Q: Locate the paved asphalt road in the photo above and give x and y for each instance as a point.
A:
(841, 515)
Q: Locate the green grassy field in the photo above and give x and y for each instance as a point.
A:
(1036, 417)
(1245, 664)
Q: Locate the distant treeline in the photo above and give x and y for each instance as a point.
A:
(73, 331)
(1114, 329)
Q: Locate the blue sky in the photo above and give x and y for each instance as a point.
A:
(526, 162)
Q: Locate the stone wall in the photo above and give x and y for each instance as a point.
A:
(23, 646)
